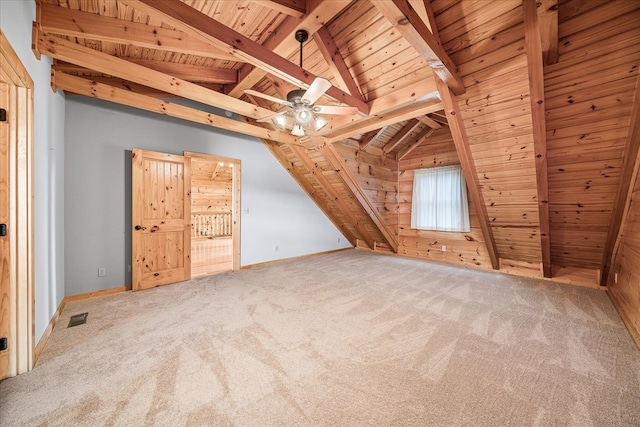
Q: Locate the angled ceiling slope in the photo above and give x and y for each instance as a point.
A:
(537, 97)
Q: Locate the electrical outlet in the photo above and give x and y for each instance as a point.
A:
(444, 248)
(102, 272)
(339, 240)
(276, 248)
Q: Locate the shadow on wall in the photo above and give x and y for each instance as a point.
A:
(127, 217)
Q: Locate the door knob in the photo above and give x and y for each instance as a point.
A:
(139, 227)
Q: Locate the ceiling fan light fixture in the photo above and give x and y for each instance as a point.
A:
(280, 121)
(320, 123)
(297, 130)
(303, 115)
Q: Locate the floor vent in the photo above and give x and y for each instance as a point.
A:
(77, 319)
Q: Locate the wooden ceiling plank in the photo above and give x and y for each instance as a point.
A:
(335, 61)
(547, 11)
(406, 20)
(283, 41)
(629, 174)
(296, 8)
(460, 140)
(400, 136)
(188, 19)
(422, 137)
(121, 96)
(190, 72)
(338, 164)
(74, 53)
(74, 23)
(533, 48)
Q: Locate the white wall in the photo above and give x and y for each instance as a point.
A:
(99, 136)
(16, 17)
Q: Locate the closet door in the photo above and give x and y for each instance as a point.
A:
(161, 217)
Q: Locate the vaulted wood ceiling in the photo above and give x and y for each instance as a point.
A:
(535, 99)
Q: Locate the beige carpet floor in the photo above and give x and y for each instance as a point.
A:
(352, 338)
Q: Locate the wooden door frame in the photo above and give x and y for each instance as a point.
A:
(235, 215)
(18, 306)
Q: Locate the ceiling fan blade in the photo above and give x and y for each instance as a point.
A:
(268, 97)
(269, 117)
(335, 109)
(316, 90)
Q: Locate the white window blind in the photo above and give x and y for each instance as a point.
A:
(440, 200)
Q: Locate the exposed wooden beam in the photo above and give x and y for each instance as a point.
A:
(304, 157)
(406, 20)
(74, 23)
(461, 142)
(74, 53)
(430, 122)
(400, 136)
(120, 96)
(538, 122)
(296, 8)
(188, 19)
(369, 137)
(335, 61)
(419, 139)
(422, 91)
(189, 72)
(548, 25)
(346, 130)
(283, 41)
(330, 211)
(628, 175)
(338, 164)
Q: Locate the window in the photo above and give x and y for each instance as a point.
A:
(440, 200)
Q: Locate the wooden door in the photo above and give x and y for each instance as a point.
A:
(161, 216)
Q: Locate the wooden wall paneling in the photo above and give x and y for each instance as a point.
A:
(378, 179)
(466, 249)
(468, 167)
(629, 174)
(589, 101)
(337, 163)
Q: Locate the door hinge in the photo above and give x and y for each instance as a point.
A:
(3, 230)
(3, 344)
(3, 115)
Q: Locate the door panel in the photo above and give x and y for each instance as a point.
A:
(161, 215)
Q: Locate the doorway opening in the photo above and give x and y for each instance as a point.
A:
(215, 207)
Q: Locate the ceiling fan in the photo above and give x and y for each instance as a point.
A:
(301, 112)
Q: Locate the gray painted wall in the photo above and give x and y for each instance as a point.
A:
(15, 21)
(98, 139)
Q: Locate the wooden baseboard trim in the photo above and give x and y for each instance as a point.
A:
(278, 261)
(54, 320)
(47, 332)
